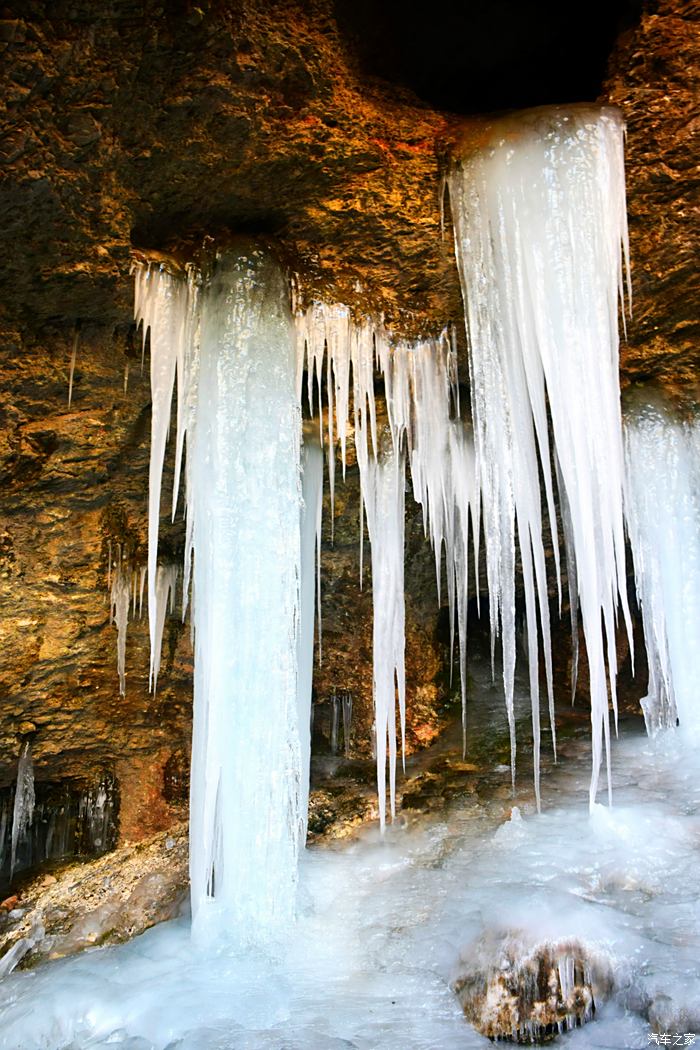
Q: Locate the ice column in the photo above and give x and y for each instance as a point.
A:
(663, 516)
(540, 232)
(229, 337)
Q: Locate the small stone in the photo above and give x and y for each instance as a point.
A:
(9, 903)
(169, 843)
(26, 728)
(16, 913)
(48, 880)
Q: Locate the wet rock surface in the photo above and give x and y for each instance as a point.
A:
(103, 901)
(654, 79)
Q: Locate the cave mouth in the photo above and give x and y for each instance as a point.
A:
(481, 57)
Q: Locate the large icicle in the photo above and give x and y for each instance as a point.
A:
(384, 501)
(230, 340)
(539, 214)
(663, 515)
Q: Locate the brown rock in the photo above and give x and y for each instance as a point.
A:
(529, 992)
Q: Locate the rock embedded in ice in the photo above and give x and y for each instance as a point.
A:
(530, 992)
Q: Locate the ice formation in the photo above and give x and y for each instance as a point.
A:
(23, 809)
(167, 576)
(540, 231)
(120, 600)
(384, 501)
(71, 367)
(540, 235)
(310, 596)
(78, 819)
(227, 335)
(663, 514)
(341, 355)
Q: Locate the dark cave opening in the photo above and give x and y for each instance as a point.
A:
(474, 57)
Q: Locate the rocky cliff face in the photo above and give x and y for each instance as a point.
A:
(147, 125)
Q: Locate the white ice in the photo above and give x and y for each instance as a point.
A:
(662, 447)
(384, 502)
(341, 355)
(540, 235)
(310, 599)
(228, 337)
(23, 808)
(120, 599)
(385, 919)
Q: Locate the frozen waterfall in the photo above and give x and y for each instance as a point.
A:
(540, 232)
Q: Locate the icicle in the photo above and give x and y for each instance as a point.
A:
(384, 501)
(23, 811)
(229, 339)
(539, 215)
(119, 615)
(420, 382)
(168, 306)
(71, 372)
(346, 702)
(312, 505)
(166, 583)
(126, 375)
(663, 516)
(142, 582)
(335, 712)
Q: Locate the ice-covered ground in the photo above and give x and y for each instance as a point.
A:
(383, 921)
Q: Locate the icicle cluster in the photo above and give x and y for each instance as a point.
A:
(126, 585)
(539, 226)
(540, 235)
(663, 516)
(342, 355)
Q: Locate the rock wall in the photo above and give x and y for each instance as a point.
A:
(148, 125)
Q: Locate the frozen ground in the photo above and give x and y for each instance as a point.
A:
(383, 921)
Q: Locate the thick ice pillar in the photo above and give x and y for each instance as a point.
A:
(229, 337)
